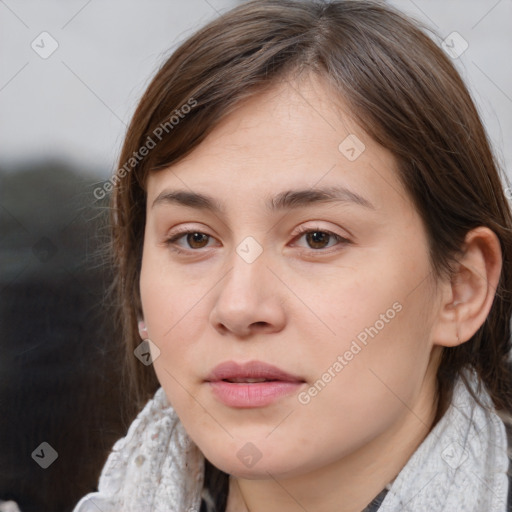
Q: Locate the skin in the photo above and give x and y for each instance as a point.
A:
(299, 306)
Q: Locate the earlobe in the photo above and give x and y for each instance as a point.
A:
(468, 297)
(143, 332)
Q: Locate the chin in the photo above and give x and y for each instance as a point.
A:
(261, 468)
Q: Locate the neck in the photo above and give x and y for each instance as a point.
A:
(349, 484)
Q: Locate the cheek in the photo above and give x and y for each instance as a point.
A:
(376, 357)
(362, 388)
(169, 295)
(174, 312)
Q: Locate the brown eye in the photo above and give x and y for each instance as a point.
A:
(197, 240)
(318, 239)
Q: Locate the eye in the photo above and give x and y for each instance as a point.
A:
(194, 239)
(318, 238)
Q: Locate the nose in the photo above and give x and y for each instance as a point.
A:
(250, 299)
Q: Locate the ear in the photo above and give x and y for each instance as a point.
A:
(467, 299)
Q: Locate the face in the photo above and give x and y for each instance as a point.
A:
(334, 292)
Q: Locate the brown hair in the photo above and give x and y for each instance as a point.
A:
(400, 87)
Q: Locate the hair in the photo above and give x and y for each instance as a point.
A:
(399, 86)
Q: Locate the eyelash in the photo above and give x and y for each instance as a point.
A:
(170, 242)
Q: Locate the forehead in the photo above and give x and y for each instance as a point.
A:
(293, 137)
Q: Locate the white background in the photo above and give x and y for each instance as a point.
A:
(76, 103)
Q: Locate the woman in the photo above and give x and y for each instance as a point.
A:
(314, 244)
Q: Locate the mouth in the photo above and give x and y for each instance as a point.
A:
(250, 373)
(253, 384)
(247, 380)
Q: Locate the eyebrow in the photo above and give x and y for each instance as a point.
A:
(289, 199)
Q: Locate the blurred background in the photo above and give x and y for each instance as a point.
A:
(70, 77)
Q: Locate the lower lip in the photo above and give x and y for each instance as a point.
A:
(256, 394)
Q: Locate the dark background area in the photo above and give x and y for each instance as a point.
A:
(59, 360)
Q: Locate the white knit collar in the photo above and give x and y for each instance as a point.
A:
(461, 465)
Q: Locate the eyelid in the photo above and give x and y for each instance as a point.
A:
(184, 229)
(300, 230)
(306, 229)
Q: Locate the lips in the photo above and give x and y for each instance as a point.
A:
(250, 372)
(252, 384)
